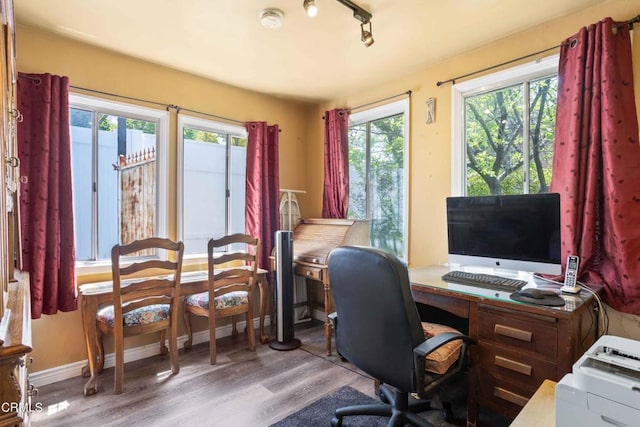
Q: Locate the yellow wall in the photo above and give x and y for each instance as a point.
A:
(58, 339)
(430, 145)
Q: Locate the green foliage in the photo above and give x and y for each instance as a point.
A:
(143, 125)
(376, 193)
(494, 139)
(213, 137)
(108, 122)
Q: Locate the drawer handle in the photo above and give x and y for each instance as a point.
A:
(518, 334)
(510, 396)
(512, 365)
(309, 273)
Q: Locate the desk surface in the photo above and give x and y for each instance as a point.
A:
(540, 411)
(431, 276)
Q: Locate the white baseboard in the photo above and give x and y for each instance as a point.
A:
(60, 373)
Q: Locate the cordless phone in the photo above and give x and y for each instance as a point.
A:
(571, 275)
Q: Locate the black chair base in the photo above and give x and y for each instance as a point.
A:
(398, 409)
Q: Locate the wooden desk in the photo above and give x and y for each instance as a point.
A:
(93, 295)
(519, 345)
(540, 411)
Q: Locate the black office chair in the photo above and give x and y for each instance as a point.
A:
(378, 329)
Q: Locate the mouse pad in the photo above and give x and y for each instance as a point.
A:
(550, 300)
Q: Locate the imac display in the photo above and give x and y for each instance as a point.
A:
(518, 232)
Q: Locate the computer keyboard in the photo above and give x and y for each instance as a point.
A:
(486, 281)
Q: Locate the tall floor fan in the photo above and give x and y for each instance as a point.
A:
(283, 297)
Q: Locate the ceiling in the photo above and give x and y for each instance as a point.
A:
(309, 59)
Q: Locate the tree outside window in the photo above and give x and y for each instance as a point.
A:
(376, 180)
(509, 138)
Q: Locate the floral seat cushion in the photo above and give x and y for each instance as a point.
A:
(441, 360)
(140, 316)
(232, 299)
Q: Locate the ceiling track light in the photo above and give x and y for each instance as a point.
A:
(310, 7)
(359, 13)
(366, 36)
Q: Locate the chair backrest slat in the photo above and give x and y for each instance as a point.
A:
(236, 270)
(146, 281)
(148, 265)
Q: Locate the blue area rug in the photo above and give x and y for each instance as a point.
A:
(320, 412)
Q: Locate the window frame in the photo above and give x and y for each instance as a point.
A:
(494, 81)
(161, 117)
(206, 125)
(387, 110)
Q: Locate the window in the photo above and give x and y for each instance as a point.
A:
(503, 131)
(212, 162)
(118, 154)
(378, 173)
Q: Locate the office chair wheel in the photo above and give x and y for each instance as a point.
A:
(336, 422)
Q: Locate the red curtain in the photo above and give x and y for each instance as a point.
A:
(262, 215)
(596, 164)
(46, 208)
(335, 198)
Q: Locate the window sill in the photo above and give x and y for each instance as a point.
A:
(93, 268)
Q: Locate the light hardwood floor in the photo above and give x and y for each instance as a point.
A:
(244, 388)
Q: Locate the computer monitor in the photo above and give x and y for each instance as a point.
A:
(515, 232)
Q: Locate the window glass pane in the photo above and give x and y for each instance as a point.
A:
(358, 172)
(81, 166)
(237, 186)
(386, 180)
(108, 188)
(204, 188)
(376, 180)
(543, 95)
(115, 192)
(126, 181)
(493, 137)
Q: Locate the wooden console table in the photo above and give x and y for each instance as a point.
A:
(519, 345)
(94, 294)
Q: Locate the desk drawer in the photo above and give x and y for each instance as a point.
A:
(504, 394)
(314, 273)
(522, 332)
(514, 365)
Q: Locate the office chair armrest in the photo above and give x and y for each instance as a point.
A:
(433, 343)
(426, 384)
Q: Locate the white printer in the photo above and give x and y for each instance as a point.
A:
(604, 388)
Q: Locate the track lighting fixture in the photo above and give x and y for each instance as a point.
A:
(310, 7)
(359, 13)
(366, 36)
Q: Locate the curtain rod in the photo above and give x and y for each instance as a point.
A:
(167, 106)
(209, 115)
(407, 93)
(473, 73)
(614, 28)
(341, 112)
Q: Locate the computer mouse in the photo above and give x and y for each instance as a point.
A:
(536, 293)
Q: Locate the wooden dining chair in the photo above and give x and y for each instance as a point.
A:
(146, 298)
(232, 280)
